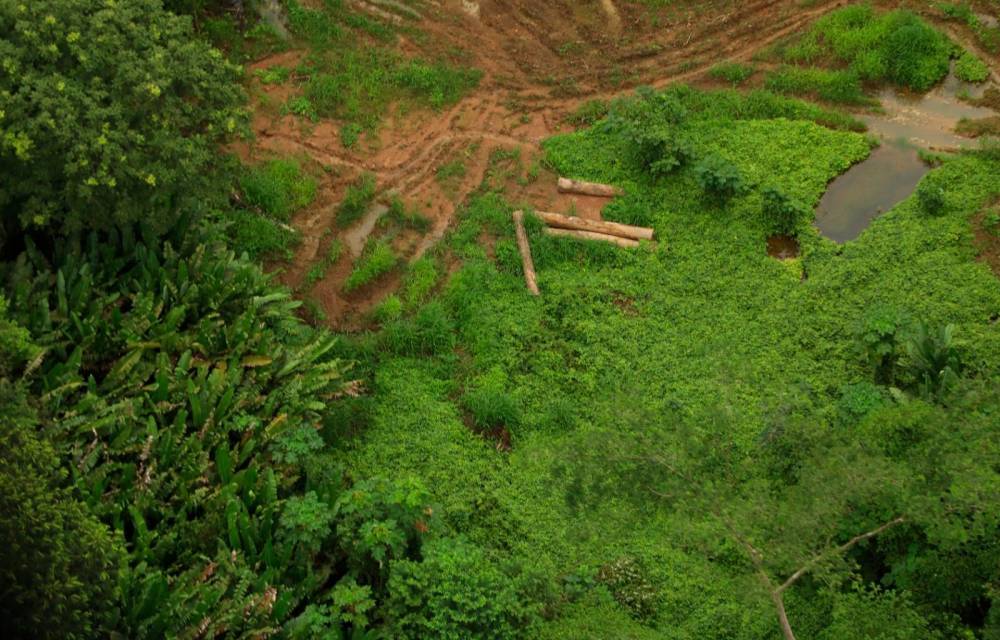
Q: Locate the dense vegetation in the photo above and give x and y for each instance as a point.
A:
(685, 440)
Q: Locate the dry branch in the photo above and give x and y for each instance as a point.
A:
(588, 188)
(522, 244)
(591, 235)
(596, 226)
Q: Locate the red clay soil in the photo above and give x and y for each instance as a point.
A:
(541, 60)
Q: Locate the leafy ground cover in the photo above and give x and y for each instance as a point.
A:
(677, 441)
(703, 328)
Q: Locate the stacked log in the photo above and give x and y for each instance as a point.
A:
(596, 226)
(522, 244)
(590, 235)
(566, 185)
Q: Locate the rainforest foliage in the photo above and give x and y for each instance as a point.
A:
(682, 440)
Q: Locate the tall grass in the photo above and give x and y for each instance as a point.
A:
(897, 47)
(377, 260)
(278, 187)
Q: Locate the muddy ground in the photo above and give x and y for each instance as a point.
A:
(541, 61)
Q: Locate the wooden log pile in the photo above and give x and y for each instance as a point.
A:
(562, 226)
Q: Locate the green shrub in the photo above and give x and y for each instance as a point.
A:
(381, 521)
(970, 68)
(859, 399)
(450, 170)
(301, 106)
(653, 125)
(930, 195)
(456, 592)
(880, 341)
(720, 178)
(318, 270)
(377, 260)
(278, 187)
(358, 198)
(918, 56)
(439, 84)
(404, 216)
(733, 72)
(97, 130)
(389, 309)
(782, 213)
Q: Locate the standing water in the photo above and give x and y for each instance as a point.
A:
(853, 200)
(892, 171)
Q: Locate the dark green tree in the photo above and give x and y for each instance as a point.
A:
(58, 564)
(109, 113)
(782, 214)
(720, 178)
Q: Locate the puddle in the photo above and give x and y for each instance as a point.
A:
(892, 171)
(357, 235)
(928, 121)
(782, 247)
(869, 188)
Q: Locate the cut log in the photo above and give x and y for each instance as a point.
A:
(522, 244)
(596, 226)
(591, 235)
(588, 188)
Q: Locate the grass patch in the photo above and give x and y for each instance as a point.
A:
(588, 113)
(831, 86)
(979, 127)
(274, 75)
(450, 171)
(278, 188)
(349, 77)
(318, 271)
(261, 237)
(421, 276)
(734, 73)
(896, 47)
(410, 218)
(377, 260)
(358, 198)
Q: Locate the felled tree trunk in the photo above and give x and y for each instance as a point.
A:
(591, 235)
(522, 244)
(566, 185)
(596, 226)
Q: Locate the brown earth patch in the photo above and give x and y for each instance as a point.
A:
(541, 60)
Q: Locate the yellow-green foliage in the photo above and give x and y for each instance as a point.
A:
(970, 68)
(96, 128)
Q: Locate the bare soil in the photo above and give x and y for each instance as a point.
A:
(541, 61)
